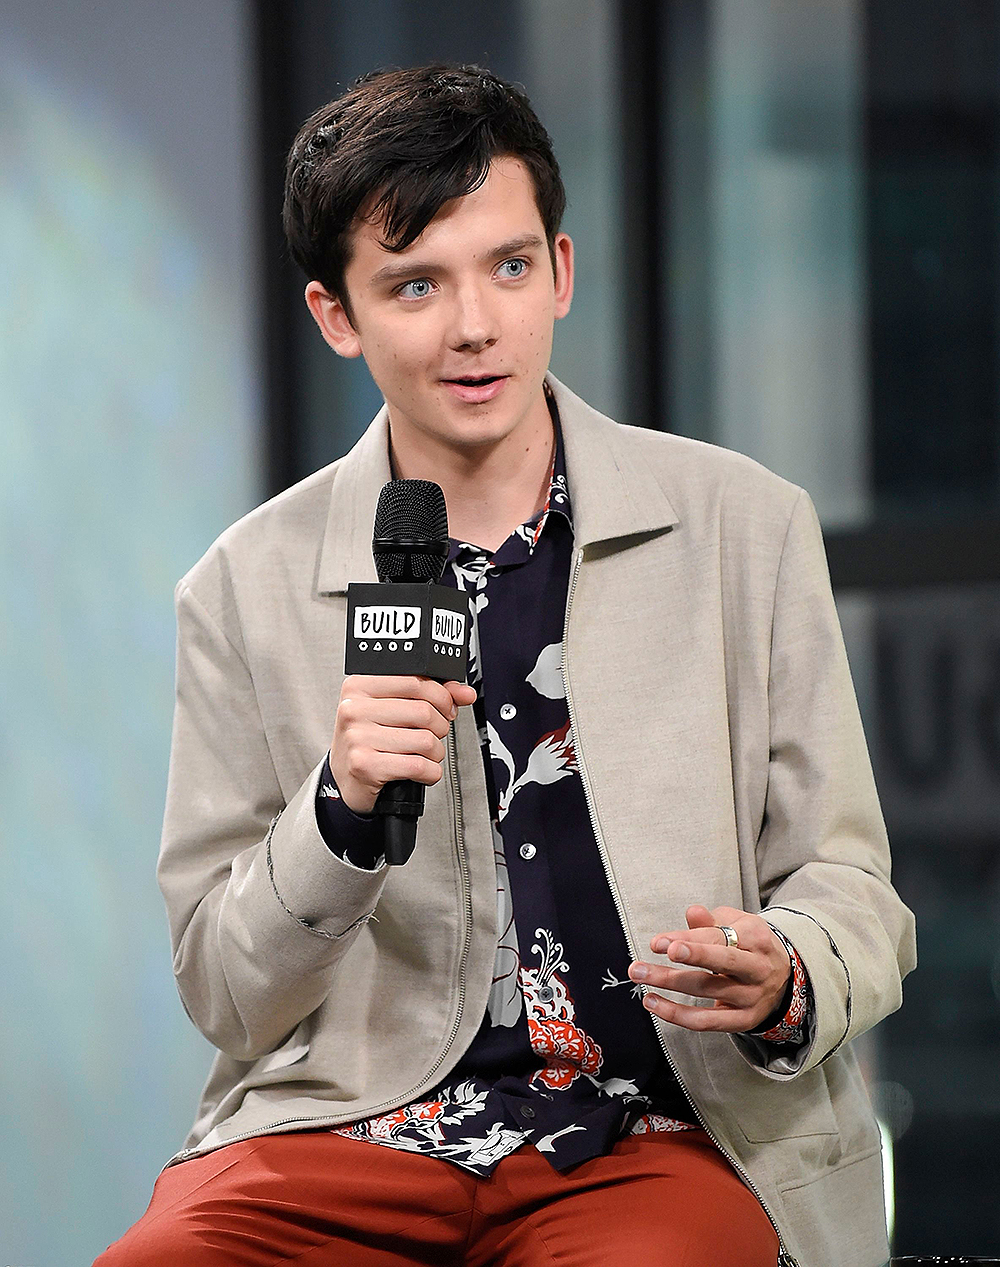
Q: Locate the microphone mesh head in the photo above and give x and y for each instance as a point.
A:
(410, 540)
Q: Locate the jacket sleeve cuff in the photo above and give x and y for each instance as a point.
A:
(318, 890)
(782, 1044)
(787, 1023)
(357, 839)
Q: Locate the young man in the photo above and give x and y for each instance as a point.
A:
(603, 1014)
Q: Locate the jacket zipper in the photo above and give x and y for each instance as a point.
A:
(466, 941)
(784, 1258)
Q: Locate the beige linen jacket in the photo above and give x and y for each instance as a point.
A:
(724, 763)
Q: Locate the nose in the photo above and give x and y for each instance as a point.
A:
(474, 324)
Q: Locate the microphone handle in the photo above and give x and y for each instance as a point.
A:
(400, 803)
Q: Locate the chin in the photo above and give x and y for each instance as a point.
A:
(478, 437)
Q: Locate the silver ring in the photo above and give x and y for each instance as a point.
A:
(730, 935)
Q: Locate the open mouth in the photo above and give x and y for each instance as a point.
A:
(476, 391)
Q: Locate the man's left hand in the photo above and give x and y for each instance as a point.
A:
(744, 982)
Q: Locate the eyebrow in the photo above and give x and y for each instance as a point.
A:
(392, 272)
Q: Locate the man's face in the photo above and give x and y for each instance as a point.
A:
(470, 297)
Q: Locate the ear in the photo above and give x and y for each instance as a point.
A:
(332, 320)
(563, 246)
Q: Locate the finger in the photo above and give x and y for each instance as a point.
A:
(732, 961)
(416, 714)
(461, 692)
(421, 743)
(662, 942)
(375, 769)
(703, 925)
(700, 917)
(401, 688)
(752, 932)
(729, 915)
(699, 985)
(709, 936)
(704, 1019)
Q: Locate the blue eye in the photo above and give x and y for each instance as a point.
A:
(423, 281)
(420, 281)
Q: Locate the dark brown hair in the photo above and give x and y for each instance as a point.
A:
(394, 148)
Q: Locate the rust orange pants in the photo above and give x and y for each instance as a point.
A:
(319, 1200)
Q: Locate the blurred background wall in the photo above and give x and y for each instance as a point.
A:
(130, 435)
(786, 221)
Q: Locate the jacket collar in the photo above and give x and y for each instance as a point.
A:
(613, 494)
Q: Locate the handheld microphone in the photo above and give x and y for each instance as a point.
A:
(407, 624)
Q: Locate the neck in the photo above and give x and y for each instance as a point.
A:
(489, 489)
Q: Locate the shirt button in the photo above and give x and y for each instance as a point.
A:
(527, 1111)
(546, 994)
(527, 852)
(507, 711)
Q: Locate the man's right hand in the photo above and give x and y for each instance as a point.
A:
(391, 728)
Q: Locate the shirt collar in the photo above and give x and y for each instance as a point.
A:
(558, 498)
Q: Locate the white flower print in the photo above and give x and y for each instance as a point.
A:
(547, 1143)
(651, 1122)
(614, 1086)
(546, 676)
(530, 535)
(470, 578)
(500, 752)
(609, 981)
(552, 1029)
(551, 759)
(486, 1149)
(417, 1127)
(505, 1002)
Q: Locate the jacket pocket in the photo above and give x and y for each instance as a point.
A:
(788, 1110)
(839, 1213)
(842, 1174)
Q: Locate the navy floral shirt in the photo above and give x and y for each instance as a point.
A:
(566, 1056)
